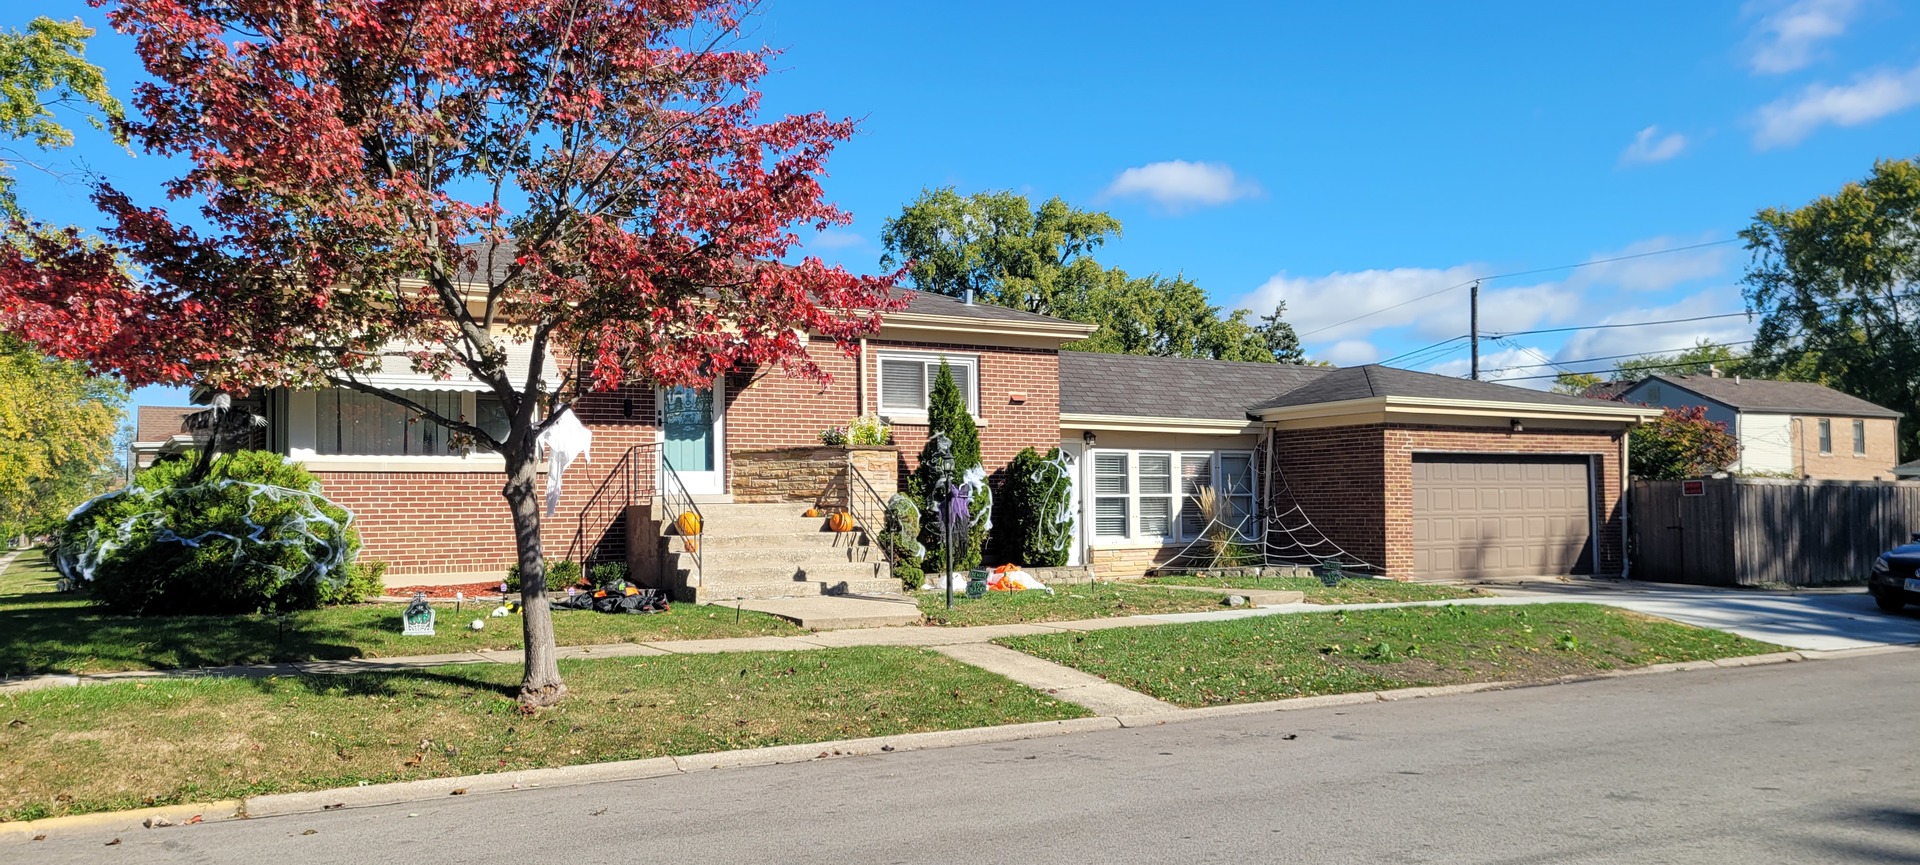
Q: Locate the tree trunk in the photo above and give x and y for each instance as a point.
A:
(541, 685)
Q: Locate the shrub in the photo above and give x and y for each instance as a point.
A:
(364, 579)
(560, 575)
(1037, 518)
(949, 425)
(607, 573)
(254, 535)
(900, 540)
(1680, 444)
(869, 429)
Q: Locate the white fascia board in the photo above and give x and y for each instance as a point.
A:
(1418, 405)
(1137, 423)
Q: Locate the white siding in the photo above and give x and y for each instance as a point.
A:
(1766, 442)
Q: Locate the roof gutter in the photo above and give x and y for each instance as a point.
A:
(1420, 405)
(1145, 423)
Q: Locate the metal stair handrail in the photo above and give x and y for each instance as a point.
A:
(675, 500)
(621, 488)
(869, 511)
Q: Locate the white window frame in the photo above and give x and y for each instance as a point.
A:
(1825, 439)
(303, 419)
(970, 362)
(1177, 532)
(1859, 438)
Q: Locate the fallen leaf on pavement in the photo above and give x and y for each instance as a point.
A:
(459, 791)
(311, 832)
(112, 843)
(157, 822)
(40, 837)
(192, 820)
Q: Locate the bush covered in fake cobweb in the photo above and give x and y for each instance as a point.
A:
(255, 534)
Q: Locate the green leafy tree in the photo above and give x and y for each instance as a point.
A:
(1575, 383)
(1281, 340)
(1704, 357)
(947, 416)
(1836, 284)
(1681, 443)
(40, 70)
(1009, 253)
(57, 433)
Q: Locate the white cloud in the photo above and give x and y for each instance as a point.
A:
(834, 239)
(1660, 338)
(1789, 37)
(1867, 98)
(1178, 184)
(1320, 307)
(1502, 364)
(1650, 146)
(1656, 272)
(1348, 352)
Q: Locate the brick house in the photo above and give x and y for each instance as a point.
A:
(1797, 428)
(1412, 475)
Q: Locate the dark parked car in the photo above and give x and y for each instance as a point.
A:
(1894, 582)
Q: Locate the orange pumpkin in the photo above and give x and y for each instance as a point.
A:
(688, 523)
(813, 512)
(841, 522)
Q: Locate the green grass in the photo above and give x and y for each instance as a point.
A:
(1275, 657)
(1348, 591)
(42, 631)
(110, 747)
(1069, 602)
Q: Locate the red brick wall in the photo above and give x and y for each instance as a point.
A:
(454, 522)
(1008, 426)
(1356, 483)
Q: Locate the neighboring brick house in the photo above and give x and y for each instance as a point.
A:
(1413, 475)
(1404, 474)
(1793, 428)
(157, 430)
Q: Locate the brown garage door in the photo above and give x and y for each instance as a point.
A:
(1500, 516)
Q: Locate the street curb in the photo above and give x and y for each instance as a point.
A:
(432, 789)
(176, 815)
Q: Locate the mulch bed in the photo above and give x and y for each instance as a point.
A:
(472, 590)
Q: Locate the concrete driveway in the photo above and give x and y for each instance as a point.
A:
(1816, 621)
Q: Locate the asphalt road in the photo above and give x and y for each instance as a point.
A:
(1807, 762)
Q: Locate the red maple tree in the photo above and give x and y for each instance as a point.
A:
(437, 179)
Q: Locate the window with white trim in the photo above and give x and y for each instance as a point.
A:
(1146, 495)
(1826, 436)
(907, 378)
(1859, 438)
(352, 423)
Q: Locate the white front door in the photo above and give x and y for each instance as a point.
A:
(693, 437)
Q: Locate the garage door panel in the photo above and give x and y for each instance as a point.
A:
(1494, 515)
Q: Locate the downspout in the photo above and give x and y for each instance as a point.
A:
(1261, 510)
(1626, 506)
(860, 382)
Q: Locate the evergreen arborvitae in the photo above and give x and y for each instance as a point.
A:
(947, 413)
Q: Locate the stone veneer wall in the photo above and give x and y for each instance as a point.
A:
(814, 476)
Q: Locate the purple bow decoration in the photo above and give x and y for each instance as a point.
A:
(955, 515)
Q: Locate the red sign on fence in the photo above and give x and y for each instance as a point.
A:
(1693, 488)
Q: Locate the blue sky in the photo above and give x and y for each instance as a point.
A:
(1341, 157)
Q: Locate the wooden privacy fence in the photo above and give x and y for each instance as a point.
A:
(1766, 532)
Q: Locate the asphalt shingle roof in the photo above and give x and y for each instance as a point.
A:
(1132, 385)
(1786, 397)
(1363, 382)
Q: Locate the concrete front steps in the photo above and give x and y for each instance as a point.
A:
(762, 551)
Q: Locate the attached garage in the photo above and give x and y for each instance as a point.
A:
(1501, 515)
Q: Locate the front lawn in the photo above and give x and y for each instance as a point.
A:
(125, 745)
(1275, 657)
(1069, 602)
(42, 631)
(1360, 590)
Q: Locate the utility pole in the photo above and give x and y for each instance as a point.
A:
(1473, 324)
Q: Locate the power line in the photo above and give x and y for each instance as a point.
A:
(1423, 349)
(1566, 363)
(1781, 355)
(1558, 267)
(1611, 326)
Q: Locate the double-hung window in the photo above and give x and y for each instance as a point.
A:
(1826, 435)
(907, 379)
(1151, 496)
(1859, 438)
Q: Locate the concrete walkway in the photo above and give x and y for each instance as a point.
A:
(1065, 683)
